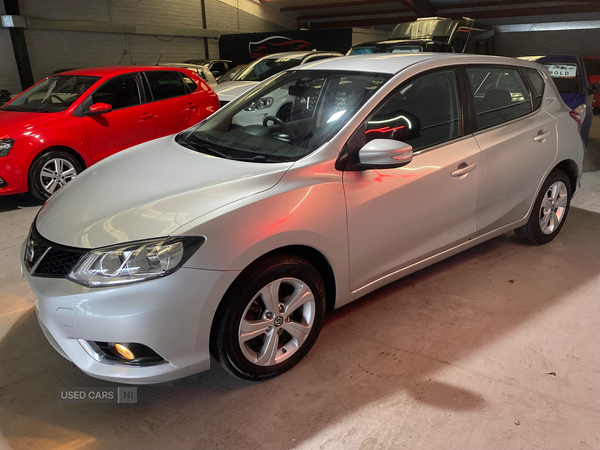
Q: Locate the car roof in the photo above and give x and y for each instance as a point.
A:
(114, 70)
(299, 55)
(551, 58)
(396, 62)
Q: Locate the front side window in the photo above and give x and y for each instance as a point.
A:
(55, 94)
(119, 93)
(165, 84)
(316, 103)
(264, 68)
(500, 95)
(422, 113)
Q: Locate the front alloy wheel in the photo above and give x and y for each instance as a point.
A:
(277, 322)
(269, 318)
(51, 171)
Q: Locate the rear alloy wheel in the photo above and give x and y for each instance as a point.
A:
(52, 171)
(270, 318)
(549, 211)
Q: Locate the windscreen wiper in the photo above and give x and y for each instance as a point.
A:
(204, 148)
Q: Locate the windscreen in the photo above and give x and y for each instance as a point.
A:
(285, 118)
(386, 48)
(55, 94)
(264, 68)
(565, 76)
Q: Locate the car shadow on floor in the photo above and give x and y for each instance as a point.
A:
(392, 344)
(18, 201)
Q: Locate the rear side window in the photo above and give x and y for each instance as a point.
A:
(500, 95)
(189, 83)
(167, 84)
(119, 93)
(536, 82)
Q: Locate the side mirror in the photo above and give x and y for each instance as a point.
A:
(98, 108)
(385, 154)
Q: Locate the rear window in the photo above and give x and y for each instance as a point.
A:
(565, 76)
(165, 84)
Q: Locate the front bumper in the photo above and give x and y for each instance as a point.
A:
(171, 315)
(13, 172)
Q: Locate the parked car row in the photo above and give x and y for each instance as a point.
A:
(233, 237)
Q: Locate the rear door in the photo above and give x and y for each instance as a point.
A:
(517, 138)
(130, 122)
(174, 106)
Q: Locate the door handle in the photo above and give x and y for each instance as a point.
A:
(541, 136)
(146, 116)
(191, 106)
(463, 169)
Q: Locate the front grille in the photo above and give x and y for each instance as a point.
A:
(222, 103)
(47, 259)
(57, 263)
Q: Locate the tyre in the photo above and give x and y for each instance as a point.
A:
(549, 210)
(51, 171)
(270, 318)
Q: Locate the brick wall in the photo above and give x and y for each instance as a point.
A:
(50, 50)
(9, 77)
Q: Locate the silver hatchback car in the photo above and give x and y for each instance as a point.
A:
(233, 238)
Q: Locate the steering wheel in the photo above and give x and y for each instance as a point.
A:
(276, 120)
(56, 97)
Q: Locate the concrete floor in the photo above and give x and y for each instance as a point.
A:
(496, 348)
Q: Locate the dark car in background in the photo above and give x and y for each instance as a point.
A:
(400, 46)
(570, 77)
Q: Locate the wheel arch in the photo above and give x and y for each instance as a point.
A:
(569, 167)
(59, 148)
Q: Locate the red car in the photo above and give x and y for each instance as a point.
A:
(67, 122)
(592, 67)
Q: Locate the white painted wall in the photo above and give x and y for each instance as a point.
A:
(9, 76)
(50, 50)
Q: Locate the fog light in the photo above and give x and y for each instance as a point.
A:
(124, 352)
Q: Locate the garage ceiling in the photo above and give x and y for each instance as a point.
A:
(375, 13)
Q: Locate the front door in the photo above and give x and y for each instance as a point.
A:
(130, 122)
(399, 216)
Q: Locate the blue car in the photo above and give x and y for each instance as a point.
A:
(570, 77)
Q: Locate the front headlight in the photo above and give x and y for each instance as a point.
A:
(265, 102)
(5, 146)
(134, 262)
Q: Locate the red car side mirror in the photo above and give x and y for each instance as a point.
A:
(98, 108)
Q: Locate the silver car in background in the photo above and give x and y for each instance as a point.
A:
(233, 238)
